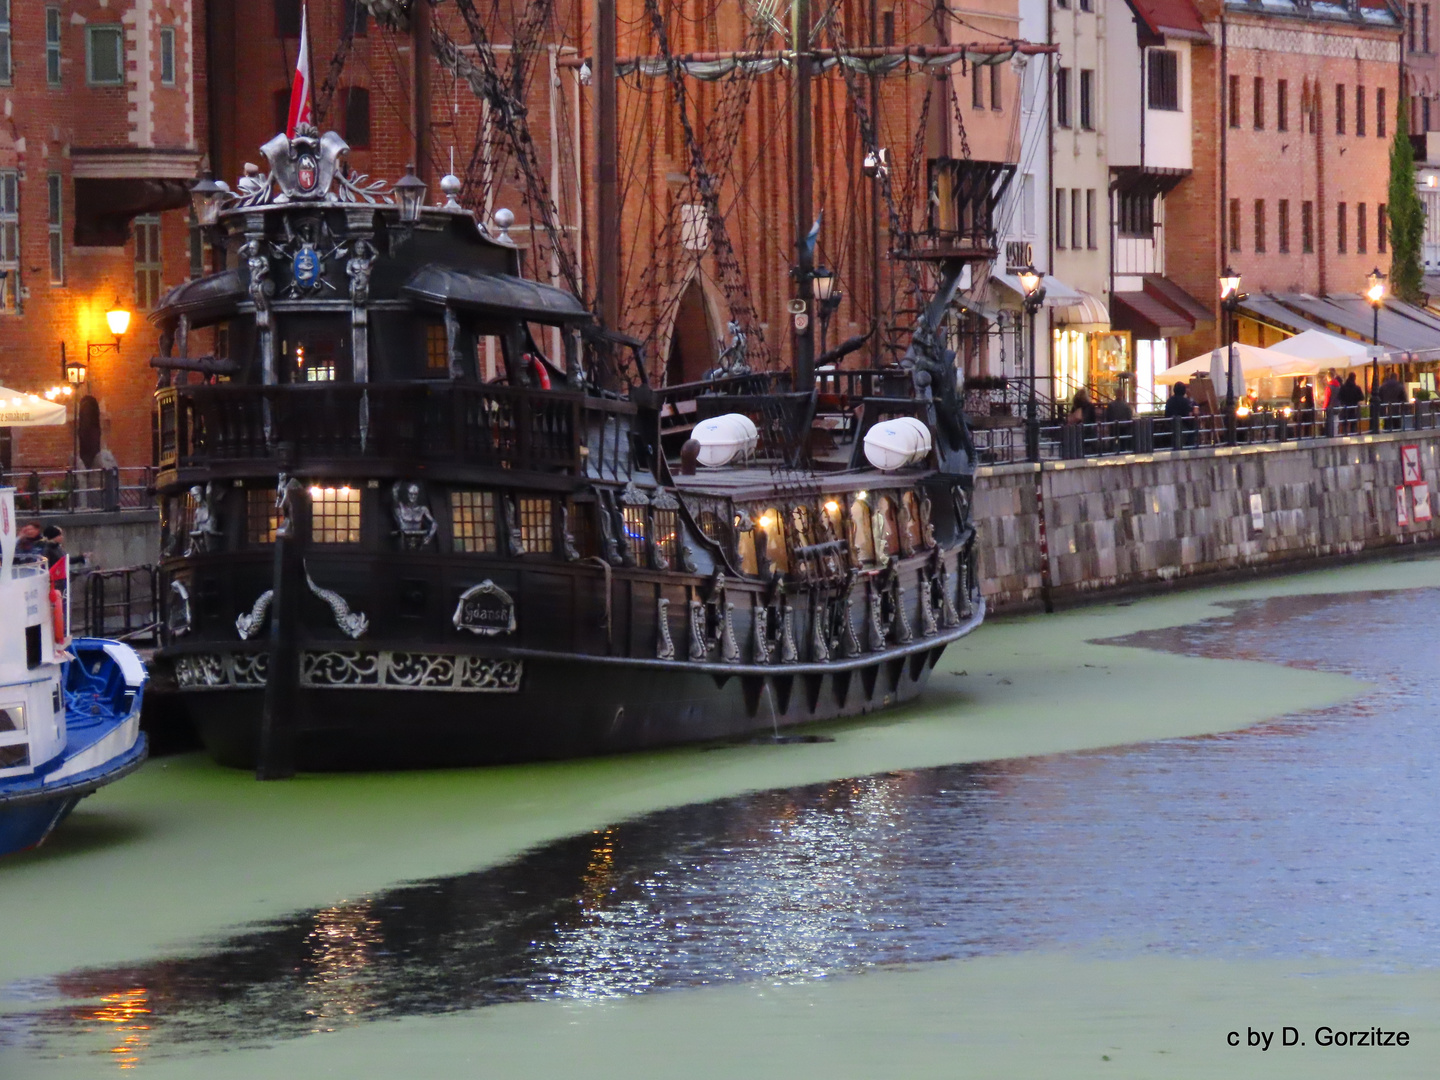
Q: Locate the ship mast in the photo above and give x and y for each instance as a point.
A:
(804, 197)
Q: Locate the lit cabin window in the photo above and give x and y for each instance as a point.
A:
(335, 515)
(711, 526)
(636, 533)
(261, 518)
(773, 526)
(437, 349)
(536, 526)
(472, 520)
(667, 535)
(834, 517)
(913, 538)
(862, 537)
(745, 549)
(887, 535)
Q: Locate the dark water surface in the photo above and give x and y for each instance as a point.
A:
(1315, 835)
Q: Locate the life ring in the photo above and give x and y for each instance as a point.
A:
(57, 616)
(540, 373)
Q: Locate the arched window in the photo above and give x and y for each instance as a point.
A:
(862, 539)
(772, 525)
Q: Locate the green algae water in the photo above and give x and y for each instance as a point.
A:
(1190, 848)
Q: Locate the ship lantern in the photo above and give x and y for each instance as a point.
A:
(410, 194)
(206, 197)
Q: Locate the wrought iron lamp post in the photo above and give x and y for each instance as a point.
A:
(1230, 297)
(1034, 288)
(1375, 294)
(827, 299)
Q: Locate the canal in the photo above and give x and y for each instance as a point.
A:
(1297, 828)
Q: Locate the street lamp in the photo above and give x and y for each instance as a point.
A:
(1230, 297)
(1375, 294)
(1034, 288)
(828, 298)
(206, 198)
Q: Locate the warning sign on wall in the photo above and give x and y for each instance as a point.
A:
(1402, 506)
(1422, 502)
(1410, 464)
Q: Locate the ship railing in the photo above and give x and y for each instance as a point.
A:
(58, 490)
(122, 603)
(679, 404)
(484, 425)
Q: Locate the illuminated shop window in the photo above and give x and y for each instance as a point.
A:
(472, 519)
(537, 526)
(261, 517)
(335, 515)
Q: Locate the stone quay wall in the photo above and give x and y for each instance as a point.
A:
(1142, 520)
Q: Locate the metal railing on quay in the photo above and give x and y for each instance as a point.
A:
(1146, 434)
(122, 604)
(81, 491)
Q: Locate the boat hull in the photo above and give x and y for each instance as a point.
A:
(565, 706)
(30, 812)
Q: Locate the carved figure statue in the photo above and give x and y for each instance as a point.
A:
(357, 267)
(732, 359)
(285, 492)
(204, 530)
(414, 523)
(258, 263)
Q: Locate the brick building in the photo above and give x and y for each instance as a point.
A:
(98, 144)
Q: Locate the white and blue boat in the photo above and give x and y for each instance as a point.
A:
(69, 721)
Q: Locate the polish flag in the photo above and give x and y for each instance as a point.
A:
(300, 88)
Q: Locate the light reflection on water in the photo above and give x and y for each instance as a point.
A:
(1315, 835)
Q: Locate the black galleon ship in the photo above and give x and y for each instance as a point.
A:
(397, 534)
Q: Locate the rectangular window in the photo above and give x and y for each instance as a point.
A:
(1361, 240)
(357, 117)
(1380, 113)
(1062, 97)
(1425, 28)
(335, 515)
(1382, 228)
(472, 522)
(667, 535)
(1063, 5)
(167, 56)
(996, 70)
(1027, 205)
(287, 18)
(52, 46)
(437, 347)
(1359, 110)
(1234, 224)
(1282, 226)
(356, 18)
(1137, 215)
(149, 266)
(1282, 105)
(55, 197)
(1060, 218)
(1260, 225)
(887, 27)
(6, 70)
(977, 86)
(1076, 221)
(537, 525)
(1411, 27)
(1258, 103)
(1087, 5)
(1341, 227)
(636, 533)
(1234, 101)
(105, 55)
(261, 518)
(1425, 113)
(1087, 100)
(1163, 86)
(10, 241)
(1340, 109)
(1307, 227)
(1090, 239)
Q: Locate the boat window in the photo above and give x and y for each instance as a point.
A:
(862, 540)
(335, 514)
(887, 535)
(472, 521)
(437, 349)
(32, 647)
(667, 535)
(745, 549)
(537, 525)
(635, 532)
(12, 718)
(12, 757)
(772, 525)
(912, 537)
(315, 349)
(261, 518)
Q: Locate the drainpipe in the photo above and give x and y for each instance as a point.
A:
(1225, 223)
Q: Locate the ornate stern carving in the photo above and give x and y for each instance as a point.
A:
(729, 650)
(414, 523)
(949, 618)
(762, 635)
(687, 559)
(353, 624)
(205, 532)
(567, 538)
(874, 626)
(287, 489)
(927, 524)
(247, 625)
(608, 533)
(177, 620)
(510, 519)
(699, 649)
(789, 654)
(664, 647)
(963, 583)
(928, 625)
(852, 639)
(357, 269)
(903, 634)
(819, 643)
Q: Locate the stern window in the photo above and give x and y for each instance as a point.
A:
(667, 535)
(536, 526)
(261, 517)
(745, 549)
(636, 534)
(862, 539)
(472, 521)
(437, 349)
(773, 526)
(335, 515)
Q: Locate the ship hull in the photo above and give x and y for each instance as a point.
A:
(562, 706)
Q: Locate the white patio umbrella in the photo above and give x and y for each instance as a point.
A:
(1315, 351)
(1254, 363)
(28, 410)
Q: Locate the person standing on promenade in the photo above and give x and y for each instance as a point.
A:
(1349, 396)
